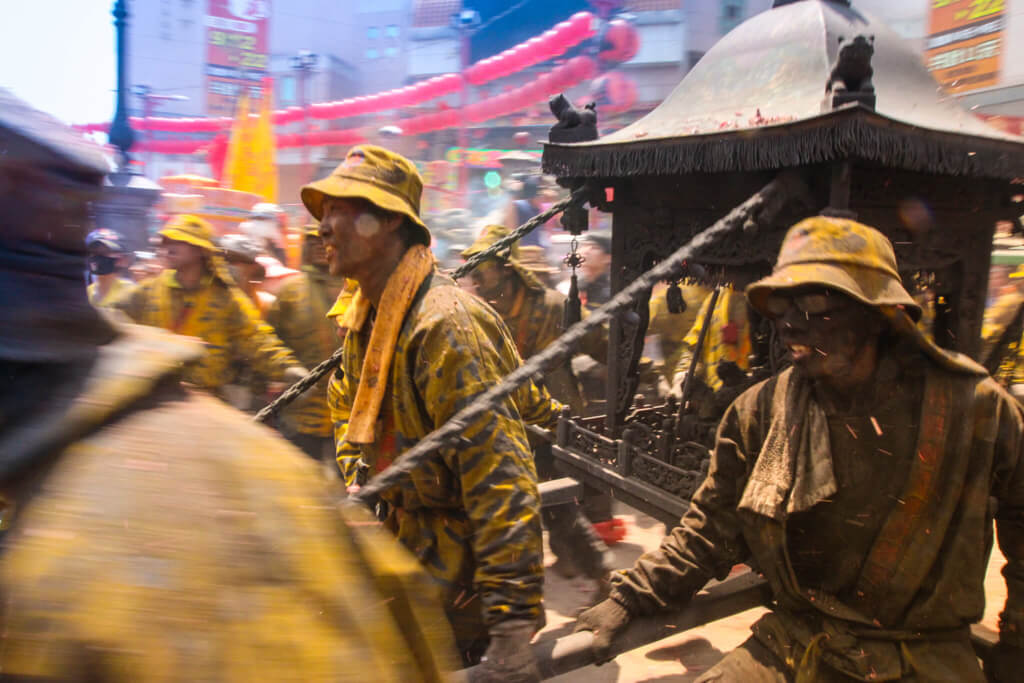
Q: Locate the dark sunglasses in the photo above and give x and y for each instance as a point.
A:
(810, 304)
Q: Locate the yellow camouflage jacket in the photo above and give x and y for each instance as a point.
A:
(144, 556)
(219, 314)
(472, 515)
(537, 319)
(672, 328)
(299, 317)
(728, 339)
(116, 289)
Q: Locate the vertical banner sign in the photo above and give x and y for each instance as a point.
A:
(237, 41)
(965, 43)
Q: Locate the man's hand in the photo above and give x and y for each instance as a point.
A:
(295, 373)
(508, 657)
(607, 619)
(1004, 664)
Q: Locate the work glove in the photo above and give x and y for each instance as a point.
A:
(607, 619)
(294, 374)
(508, 657)
(1004, 664)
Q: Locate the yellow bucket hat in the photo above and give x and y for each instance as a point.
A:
(511, 255)
(840, 254)
(490, 235)
(387, 180)
(190, 229)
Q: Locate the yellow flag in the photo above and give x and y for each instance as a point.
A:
(239, 155)
(265, 168)
(250, 165)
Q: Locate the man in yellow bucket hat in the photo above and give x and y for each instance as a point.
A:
(857, 481)
(196, 296)
(535, 316)
(418, 349)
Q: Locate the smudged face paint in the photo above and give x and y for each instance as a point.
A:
(350, 236)
(180, 255)
(489, 282)
(367, 225)
(828, 335)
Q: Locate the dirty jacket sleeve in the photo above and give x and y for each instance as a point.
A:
(132, 300)
(708, 540)
(256, 340)
(340, 407)
(456, 361)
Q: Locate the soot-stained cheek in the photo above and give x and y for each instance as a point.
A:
(367, 225)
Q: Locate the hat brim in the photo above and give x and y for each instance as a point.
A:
(182, 236)
(869, 286)
(347, 187)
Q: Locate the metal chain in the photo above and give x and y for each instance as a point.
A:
(577, 197)
(449, 433)
(321, 370)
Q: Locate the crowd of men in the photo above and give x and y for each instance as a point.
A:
(154, 532)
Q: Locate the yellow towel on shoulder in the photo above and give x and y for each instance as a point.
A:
(401, 288)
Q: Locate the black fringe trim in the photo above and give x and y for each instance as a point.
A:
(853, 134)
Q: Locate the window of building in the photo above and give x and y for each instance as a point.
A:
(732, 14)
(372, 32)
(391, 30)
(372, 53)
(390, 51)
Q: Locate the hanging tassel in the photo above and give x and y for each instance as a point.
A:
(674, 298)
(573, 307)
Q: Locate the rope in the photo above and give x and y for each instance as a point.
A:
(321, 370)
(559, 349)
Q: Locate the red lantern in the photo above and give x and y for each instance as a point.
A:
(580, 68)
(582, 26)
(621, 42)
(614, 92)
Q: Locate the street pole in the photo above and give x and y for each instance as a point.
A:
(127, 197)
(120, 134)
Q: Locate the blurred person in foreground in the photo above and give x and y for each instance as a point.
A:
(107, 260)
(299, 317)
(858, 482)
(535, 316)
(196, 296)
(153, 533)
(418, 349)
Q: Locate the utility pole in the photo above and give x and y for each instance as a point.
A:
(120, 134)
(303, 63)
(127, 197)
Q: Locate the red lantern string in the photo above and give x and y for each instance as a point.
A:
(552, 43)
